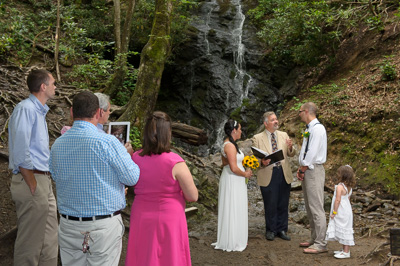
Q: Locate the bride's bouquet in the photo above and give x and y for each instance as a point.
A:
(250, 161)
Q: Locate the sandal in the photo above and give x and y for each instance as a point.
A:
(305, 244)
(314, 250)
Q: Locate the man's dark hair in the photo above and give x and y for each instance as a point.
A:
(85, 105)
(36, 78)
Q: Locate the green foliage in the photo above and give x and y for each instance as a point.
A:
(375, 23)
(125, 93)
(305, 32)
(375, 160)
(135, 138)
(325, 89)
(296, 31)
(397, 13)
(6, 43)
(388, 69)
(297, 104)
(93, 75)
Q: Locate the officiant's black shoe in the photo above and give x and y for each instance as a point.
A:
(283, 235)
(270, 236)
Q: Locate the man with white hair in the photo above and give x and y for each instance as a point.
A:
(104, 102)
(275, 179)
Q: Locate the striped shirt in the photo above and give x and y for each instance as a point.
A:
(90, 170)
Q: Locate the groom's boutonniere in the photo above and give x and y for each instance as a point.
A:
(305, 134)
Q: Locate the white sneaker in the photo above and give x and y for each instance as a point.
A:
(337, 251)
(342, 255)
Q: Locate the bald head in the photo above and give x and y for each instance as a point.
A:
(311, 107)
(308, 112)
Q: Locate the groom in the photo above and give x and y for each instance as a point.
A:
(274, 180)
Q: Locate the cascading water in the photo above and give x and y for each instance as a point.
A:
(219, 67)
(235, 98)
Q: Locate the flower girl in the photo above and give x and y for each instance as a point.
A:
(340, 227)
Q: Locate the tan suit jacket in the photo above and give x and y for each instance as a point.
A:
(261, 141)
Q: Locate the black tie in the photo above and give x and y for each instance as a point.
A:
(306, 150)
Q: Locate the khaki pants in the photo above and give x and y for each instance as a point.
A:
(313, 189)
(105, 241)
(36, 242)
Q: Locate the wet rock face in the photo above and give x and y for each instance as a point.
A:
(220, 65)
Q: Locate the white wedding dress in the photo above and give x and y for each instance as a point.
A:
(232, 209)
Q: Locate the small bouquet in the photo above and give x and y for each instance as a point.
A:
(250, 161)
(305, 134)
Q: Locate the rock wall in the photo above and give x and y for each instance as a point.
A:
(221, 72)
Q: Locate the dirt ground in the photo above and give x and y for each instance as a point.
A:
(259, 250)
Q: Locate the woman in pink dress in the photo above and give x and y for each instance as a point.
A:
(158, 232)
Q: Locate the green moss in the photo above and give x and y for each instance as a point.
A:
(363, 146)
(384, 171)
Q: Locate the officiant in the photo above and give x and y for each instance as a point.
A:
(275, 179)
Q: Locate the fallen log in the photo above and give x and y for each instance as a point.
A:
(189, 134)
(11, 233)
(4, 154)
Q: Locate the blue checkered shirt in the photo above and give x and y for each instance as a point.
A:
(90, 170)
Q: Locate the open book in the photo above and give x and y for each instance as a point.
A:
(274, 157)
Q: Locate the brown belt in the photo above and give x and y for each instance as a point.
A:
(41, 172)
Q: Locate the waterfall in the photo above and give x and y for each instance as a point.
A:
(214, 71)
(240, 91)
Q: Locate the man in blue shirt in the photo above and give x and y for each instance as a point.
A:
(90, 170)
(31, 187)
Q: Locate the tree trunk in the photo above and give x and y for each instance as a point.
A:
(117, 26)
(57, 41)
(121, 46)
(151, 67)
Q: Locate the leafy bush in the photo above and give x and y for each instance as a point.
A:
(124, 94)
(135, 138)
(304, 32)
(388, 70)
(6, 42)
(92, 75)
(297, 31)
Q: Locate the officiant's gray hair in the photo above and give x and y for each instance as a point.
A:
(267, 114)
(104, 100)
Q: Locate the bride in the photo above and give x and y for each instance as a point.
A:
(232, 194)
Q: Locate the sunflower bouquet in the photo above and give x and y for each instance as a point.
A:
(250, 161)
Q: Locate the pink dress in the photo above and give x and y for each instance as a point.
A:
(158, 232)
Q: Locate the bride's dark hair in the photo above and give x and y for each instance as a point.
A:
(230, 125)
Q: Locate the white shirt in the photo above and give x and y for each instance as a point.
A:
(317, 146)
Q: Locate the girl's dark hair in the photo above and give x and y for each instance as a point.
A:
(157, 134)
(228, 128)
(346, 175)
